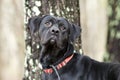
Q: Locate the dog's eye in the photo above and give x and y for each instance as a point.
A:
(62, 27)
(48, 24)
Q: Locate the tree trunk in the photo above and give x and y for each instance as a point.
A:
(94, 27)
(11, 39)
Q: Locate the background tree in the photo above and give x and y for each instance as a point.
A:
(94, 27)
(113, 38)
(11, 39)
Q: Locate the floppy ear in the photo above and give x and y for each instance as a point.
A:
(74, 32)
(34, 23)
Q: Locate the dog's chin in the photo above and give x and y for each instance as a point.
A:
(52, 41)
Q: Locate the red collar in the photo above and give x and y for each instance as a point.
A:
(60, 65)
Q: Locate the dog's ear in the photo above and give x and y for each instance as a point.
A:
(74, 32)
(34, 24)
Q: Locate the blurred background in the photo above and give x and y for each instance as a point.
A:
(100, 37)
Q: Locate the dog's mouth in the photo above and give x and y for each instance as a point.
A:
(53, 40)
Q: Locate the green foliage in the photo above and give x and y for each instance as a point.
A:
(113, 41)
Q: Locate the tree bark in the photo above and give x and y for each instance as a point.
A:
(11, 39)
(94, 27)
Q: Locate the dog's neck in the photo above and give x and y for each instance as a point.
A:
(66, 53)
(56, 55)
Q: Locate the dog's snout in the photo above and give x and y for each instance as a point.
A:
(54, 30)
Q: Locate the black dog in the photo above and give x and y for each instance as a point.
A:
(57, 55)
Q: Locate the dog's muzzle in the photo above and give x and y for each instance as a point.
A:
(52, 36)
(55, 34)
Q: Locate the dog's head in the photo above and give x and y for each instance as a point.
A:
(55, 32)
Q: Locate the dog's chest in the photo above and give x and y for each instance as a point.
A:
(62, 77)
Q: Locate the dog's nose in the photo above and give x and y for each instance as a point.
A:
(54, 30)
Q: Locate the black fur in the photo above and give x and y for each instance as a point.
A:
(56, 38)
